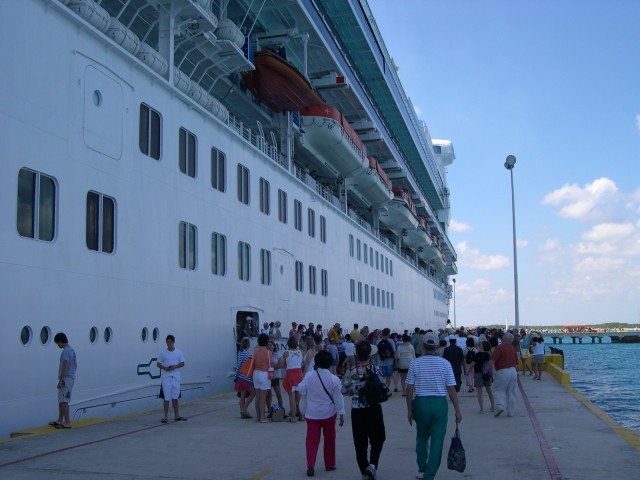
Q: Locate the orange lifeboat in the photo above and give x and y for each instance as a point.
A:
(279, 84)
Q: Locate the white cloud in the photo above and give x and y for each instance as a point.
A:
(549, 251)
(522, 242)
(580, 203)
(599, 265)
(595, 248)
(418, 111)
(549, 245)
(472, 258)
(608, 231)
(459, 227)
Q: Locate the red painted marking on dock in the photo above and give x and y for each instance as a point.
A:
(554, 471)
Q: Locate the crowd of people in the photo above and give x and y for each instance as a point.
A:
(321, 365)
(318, 367)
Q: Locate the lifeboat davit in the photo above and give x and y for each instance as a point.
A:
(279, 84)
(328, 138)
(400, 216)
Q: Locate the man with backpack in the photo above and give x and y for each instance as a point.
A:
(387, 356)
(429, 381)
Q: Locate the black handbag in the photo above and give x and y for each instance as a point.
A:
(456, 458)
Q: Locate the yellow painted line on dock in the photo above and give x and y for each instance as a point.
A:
(260, 475)
(627, 435)
(85, 422)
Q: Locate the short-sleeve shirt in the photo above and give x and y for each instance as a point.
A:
(430, 375)
(387, 361)
(504, 356)
(68, 355)
(349, 349)
(353, 380)
(169, 359)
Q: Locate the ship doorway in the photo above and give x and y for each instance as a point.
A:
(247, 325)
(283, 273)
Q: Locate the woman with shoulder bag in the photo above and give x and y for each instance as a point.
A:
(324, 403)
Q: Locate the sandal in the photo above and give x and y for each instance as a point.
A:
(264, 421)
(180, 419)
(54, 423)
(164, 420)
(245, 415)
(291, 420)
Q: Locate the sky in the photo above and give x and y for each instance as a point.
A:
(557, 84)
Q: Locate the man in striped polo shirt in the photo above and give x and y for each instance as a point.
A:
(431, 379)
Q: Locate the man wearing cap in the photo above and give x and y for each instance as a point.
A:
(429, 381)
(505, 361)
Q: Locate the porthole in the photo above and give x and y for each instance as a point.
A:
(97, 98)
(145, 334)
(156, 334)
(93, 335)
(108, 334)
(45, 335)
(26, 335)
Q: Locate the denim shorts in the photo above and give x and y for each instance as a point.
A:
(387, 370)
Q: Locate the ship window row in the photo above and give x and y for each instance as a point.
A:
(366, 294)
(27, 335)
(366, 254)
(36, 219)
(36, 212)
(313, 280)
(150, 139)
(188, 260)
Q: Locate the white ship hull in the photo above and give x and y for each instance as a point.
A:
(70, 108)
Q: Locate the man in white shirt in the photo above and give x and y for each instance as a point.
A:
(170, 361)
(429, 381)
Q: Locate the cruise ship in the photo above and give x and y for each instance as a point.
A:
(199, 168)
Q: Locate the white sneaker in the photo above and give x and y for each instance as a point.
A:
(371, 472)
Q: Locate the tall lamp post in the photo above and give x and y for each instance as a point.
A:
(454, 303)
(509, 164)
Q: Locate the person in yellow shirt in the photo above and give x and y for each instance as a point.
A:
(334, 333)
(355, 333)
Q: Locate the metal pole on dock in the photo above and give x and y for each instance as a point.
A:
(509, 164)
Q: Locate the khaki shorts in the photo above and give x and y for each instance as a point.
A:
(64, 393)
(537, 359)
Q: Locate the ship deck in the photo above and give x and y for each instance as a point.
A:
(555, 433)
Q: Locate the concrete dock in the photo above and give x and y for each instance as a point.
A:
(555, 433)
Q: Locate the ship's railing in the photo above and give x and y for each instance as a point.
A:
(256, 139)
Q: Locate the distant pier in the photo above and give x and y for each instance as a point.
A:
(596, 337)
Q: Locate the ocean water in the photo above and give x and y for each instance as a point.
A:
(608, 375)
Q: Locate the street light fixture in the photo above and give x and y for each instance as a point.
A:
(509, 164)
(454, 303)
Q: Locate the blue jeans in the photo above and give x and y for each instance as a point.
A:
(431, 415)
